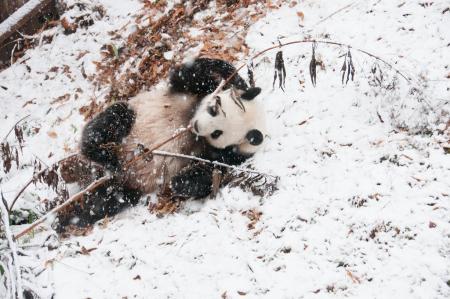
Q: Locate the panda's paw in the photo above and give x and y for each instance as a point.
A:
(194, 181)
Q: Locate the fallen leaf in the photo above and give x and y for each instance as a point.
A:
(52, 134)
(68, 27)
(85, 251)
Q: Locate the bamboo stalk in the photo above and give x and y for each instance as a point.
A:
(182, 156)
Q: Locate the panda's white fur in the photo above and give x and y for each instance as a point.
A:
(160, 113)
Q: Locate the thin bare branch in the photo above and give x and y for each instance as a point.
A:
(174, 136)
(221, 85)
(76, 197)
(334, 13)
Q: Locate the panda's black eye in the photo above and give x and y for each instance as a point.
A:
(212, 110)
(216, 134)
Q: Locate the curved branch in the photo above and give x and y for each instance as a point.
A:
(321, 42)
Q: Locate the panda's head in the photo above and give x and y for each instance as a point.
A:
(231, 117)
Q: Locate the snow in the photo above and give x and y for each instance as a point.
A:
(18, 15)
(362, 209)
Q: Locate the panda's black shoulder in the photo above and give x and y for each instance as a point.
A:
(202, 76)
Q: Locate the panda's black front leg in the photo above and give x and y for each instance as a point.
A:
(106, 130)
(194, 181)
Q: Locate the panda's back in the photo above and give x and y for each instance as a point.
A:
(159, 114)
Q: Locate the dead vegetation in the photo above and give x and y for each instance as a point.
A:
(152, 49)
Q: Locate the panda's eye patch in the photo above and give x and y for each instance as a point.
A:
(212, 110)
(216, 134)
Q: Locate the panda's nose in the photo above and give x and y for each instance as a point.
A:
(255, 137)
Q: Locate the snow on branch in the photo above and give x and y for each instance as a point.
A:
(19, 16)
(12, 270)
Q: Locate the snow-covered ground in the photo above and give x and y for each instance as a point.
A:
(362, 209)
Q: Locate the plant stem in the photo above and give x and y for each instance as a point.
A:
(75, 197)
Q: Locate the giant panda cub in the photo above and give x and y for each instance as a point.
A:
(227, 127)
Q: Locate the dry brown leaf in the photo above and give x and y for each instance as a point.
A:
(52, 134)
(85, 251)
(61, 99)
(254, 216)
(49, 262)
(73, 230)
(301, 15)
(68, 27)
(28, 103)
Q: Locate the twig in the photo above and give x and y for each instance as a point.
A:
(72, 199)
(18, 293)
(12, 54)
(221, 85)
(11, 42)
(168, 154)
(33, 178)
(334, 13)
(147, 151)
(10, 130)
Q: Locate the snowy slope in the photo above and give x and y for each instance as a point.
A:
(362, 209)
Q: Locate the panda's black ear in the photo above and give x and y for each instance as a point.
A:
(250, 93)
(255, 137)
